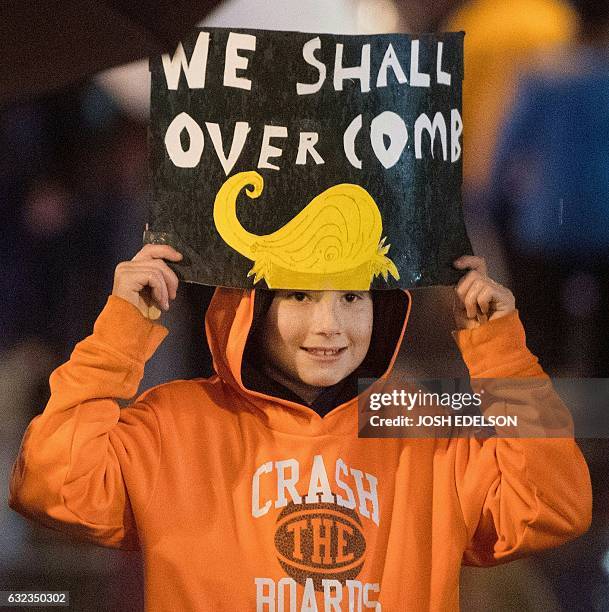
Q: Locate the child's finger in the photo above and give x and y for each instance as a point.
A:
(485, 299)
(157, 251)
(470, 300)
(465, 283)
(171, 278)
(461, 317)
(154, 279)
(472, 262)
(172, 281)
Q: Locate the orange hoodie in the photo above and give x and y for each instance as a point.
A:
(241, 501)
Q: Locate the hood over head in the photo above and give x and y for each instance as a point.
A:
(231, 322)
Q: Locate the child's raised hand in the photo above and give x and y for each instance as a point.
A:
(147, 281)
(479, 298)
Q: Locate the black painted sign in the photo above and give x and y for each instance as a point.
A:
(309, 161)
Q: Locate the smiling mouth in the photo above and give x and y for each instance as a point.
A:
(324, 352)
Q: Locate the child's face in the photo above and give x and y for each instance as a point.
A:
(314, 339)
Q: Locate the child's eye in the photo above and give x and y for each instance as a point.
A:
(352, 297)
(298, 296)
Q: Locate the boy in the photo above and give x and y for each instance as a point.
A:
(242, 496)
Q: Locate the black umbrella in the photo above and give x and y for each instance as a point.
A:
(45, 44)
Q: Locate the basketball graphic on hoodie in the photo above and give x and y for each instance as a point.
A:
(320, 541)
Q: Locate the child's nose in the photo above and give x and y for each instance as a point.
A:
(326, 318)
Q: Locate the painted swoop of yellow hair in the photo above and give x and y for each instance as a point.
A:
(333, 243)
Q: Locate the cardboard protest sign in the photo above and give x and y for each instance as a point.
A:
(309, 161)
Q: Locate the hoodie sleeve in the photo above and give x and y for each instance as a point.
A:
(85, 463)
(518, 495)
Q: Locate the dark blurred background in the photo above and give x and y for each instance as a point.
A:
(73, 196)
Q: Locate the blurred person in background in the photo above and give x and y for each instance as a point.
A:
(550, 193)
(549, 196)
(502, 39)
